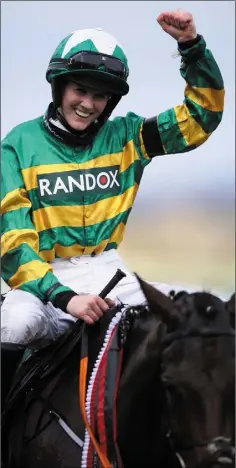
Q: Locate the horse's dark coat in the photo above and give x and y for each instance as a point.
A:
(174, 377)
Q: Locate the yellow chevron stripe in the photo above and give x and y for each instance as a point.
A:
(15, 200)
(128, 156)
(124, 159)
(14, 238)
(57, 216)
(78, 250)
(190, 129)
(143, 149)
(210, 99)
(30, 271)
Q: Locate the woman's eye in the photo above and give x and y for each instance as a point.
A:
(81, 90)
(100, 96)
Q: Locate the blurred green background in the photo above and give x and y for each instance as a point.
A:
(184, 242)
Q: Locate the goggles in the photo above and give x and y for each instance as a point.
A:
(93, 61)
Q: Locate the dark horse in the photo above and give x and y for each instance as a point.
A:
(175, 402)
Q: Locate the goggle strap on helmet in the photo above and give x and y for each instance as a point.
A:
(91, 60)
(57, 64)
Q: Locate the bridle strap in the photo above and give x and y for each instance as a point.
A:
(185, 448)
(171, 337)
(219, 452)
(204, 443)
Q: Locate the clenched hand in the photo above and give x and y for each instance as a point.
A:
(179, 24)
(89, 308)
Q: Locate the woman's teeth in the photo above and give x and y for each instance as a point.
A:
(82, 114)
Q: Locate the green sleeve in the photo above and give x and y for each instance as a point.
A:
(22, 267)
(188, 125)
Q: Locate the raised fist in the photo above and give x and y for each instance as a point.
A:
(179, 24)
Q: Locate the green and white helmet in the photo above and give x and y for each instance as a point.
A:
(90, 52)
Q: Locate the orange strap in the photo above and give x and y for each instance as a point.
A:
(82, 397)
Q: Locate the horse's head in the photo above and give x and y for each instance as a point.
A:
(197, 373)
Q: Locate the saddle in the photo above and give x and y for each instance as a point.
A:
(37, 365)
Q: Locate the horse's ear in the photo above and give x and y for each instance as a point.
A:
(158, 302)
(230, 306)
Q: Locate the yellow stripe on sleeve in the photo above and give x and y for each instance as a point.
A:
(210, 99)
(15, 200)
(192, 132)
(14, 238)
(30, 271)
(142, 146)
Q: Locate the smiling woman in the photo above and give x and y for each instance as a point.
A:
(82, 104)
(70, 178)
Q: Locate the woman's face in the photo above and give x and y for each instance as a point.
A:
(82, 104)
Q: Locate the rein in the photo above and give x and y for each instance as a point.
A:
(98, 404)
(84, 404)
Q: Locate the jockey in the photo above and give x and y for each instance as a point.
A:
(70, 178)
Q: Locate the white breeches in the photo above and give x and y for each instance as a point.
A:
(26, 320)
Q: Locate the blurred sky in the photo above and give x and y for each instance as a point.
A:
(31, 30)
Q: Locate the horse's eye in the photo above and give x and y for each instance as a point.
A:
(211, 312)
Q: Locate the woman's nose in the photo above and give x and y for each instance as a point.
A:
(87, 102)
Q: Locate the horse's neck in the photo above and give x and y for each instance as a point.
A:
(140, 388)
(140, 402)
(142, 354)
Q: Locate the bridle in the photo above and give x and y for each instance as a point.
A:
(220, 449)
